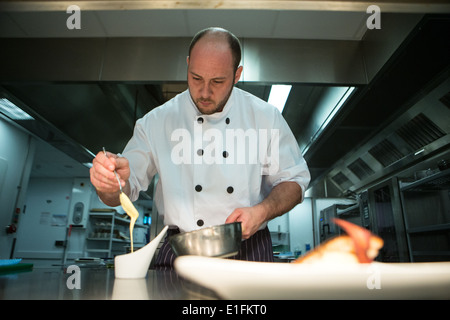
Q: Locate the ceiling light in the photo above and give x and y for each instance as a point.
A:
(12, 111)
(338, 106)
(278, 95)
(326, 110)
(87, 164)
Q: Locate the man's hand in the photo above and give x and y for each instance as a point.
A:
(251, 218)
(281, 199)
(104, 180)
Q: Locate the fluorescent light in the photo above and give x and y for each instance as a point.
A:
(12, 111)
(326, 109)
(87, 164)
(338, 106)
(278, 95)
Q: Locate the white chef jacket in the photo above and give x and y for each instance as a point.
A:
(200, 181)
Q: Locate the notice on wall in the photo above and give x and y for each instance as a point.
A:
(59, 220)
(45, 218)
(54, 220)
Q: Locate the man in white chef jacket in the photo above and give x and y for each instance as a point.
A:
(222, 155)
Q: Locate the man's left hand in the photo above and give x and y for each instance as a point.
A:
(250, 217)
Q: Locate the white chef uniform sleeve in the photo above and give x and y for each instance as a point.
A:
(288, 164)
(140, 155)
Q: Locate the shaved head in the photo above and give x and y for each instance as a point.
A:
(219, 35)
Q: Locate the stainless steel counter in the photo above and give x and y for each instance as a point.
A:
(96, 283)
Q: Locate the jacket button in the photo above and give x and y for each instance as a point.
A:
(198, 188)
(200, 222)
(225, 154)
(200, 120)
(227, 120)
(230, 189)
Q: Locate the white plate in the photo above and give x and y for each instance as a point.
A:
(233, 279)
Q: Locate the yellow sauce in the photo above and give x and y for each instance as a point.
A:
(131, 211)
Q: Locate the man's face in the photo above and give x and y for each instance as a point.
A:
(211, 75)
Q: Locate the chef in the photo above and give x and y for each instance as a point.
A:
(222, 154)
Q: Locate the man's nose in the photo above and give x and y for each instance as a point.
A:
(205, 90)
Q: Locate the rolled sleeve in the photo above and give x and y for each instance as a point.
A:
(289, 163)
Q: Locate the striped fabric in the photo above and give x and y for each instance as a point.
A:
(257, 248)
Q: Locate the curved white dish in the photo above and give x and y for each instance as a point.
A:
(135, 265)
(233, 279)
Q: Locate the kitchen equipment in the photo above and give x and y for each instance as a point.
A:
(216, 241)
(135, 265)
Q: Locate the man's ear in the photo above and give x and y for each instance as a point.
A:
(187, 60)
(238, 73)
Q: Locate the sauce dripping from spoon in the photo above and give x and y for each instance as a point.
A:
(128, 206)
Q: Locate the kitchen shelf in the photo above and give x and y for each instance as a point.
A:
(99, 250)
(425, 204)
(431, 253)
(434, 182)
(103, 229)
(353, 210)
(431, 228)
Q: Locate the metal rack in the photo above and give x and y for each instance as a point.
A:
(433, 182)
(426, 206)
(105, 237)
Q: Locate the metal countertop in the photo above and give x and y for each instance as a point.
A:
(96, 283)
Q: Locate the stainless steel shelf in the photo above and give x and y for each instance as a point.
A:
(431, 228)
(437, 181)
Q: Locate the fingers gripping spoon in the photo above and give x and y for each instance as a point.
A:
(127, 205)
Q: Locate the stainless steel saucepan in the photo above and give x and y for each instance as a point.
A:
(216, 241)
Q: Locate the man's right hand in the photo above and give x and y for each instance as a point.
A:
(103, 178)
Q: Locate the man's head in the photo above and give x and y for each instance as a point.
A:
(213, 68)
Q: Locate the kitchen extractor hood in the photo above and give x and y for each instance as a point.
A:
(419, 133)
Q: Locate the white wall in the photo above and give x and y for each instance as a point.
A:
(47, 204)
(301, 226)
(16, 154)
(298, 223)
(50, 203)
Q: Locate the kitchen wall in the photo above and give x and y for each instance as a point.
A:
(44, 205)
(50, 204)
(296, 225)
(45, 219)
(16, 157)
(301, 226)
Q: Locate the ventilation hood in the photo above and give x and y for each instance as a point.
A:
(418, 134)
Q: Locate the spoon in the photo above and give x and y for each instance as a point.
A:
(127, 205)
(117, 176)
